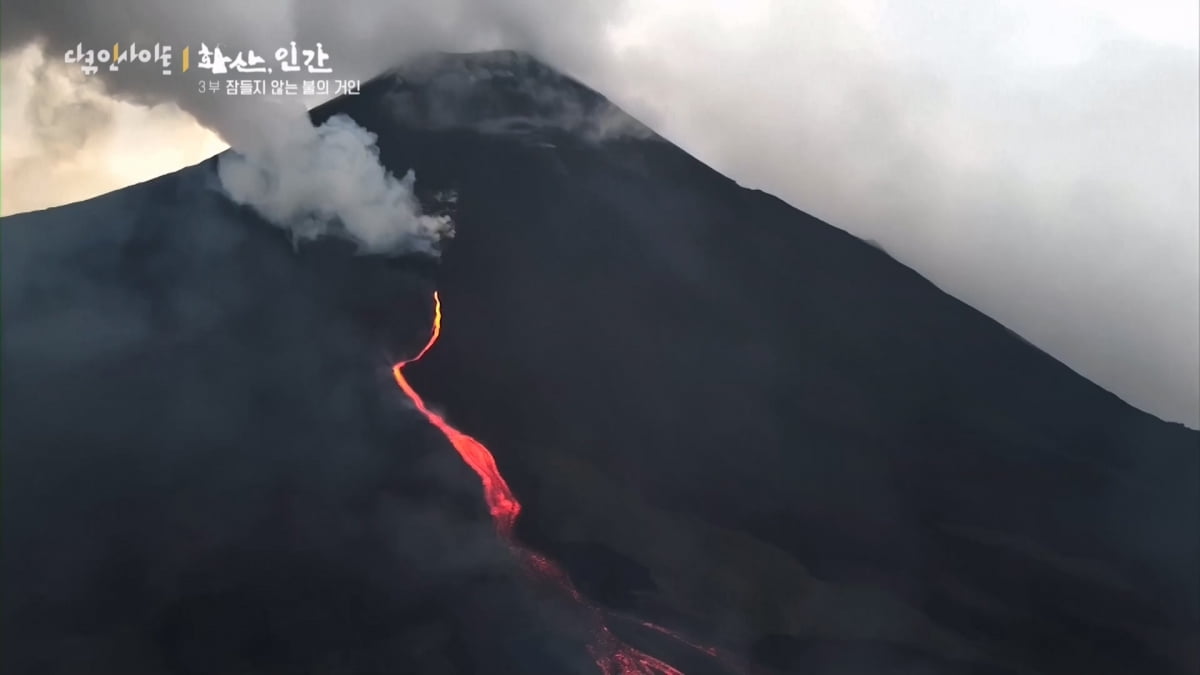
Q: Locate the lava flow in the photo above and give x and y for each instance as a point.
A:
(612, 656)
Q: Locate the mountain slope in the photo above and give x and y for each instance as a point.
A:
(723, 355)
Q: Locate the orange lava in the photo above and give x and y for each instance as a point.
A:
(500, 499)
(612, 656)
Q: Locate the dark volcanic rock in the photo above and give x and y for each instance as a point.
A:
(721, 415)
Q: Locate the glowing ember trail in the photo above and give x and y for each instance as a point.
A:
(613, 656)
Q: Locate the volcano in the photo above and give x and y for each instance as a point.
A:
(707, 427)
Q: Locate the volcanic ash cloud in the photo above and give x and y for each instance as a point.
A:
(328, 180)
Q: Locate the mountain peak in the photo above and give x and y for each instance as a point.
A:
(500, 62)
(496, 92)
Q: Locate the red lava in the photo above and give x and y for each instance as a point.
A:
(612, 656)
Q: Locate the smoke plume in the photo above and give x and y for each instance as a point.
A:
(328, 180)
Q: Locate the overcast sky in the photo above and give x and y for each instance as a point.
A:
(1039, 159)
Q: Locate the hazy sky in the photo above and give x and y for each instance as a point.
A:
(1039, 159)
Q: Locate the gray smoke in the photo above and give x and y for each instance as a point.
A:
(362, 37)
(1056, 193)
(325, 180)
(311, 181)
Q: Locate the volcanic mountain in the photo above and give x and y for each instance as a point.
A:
(742, 440)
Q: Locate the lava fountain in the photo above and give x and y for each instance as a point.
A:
(612, 655)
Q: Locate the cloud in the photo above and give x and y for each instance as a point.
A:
(65, 139)
(1058, 196)
(1037, 160)
(363, 37)
(318, 181)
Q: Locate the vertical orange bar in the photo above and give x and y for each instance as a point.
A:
(185, 58)
(115, 45)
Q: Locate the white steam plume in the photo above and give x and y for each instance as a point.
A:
(328, 180)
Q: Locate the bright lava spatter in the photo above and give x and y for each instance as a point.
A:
(613, 656)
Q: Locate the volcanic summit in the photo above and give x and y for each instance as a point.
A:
(710, 431)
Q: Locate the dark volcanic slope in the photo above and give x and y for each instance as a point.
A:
(634, 334)
(209, 469)
(720, 413)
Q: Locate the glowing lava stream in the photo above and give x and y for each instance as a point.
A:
(613, 656)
